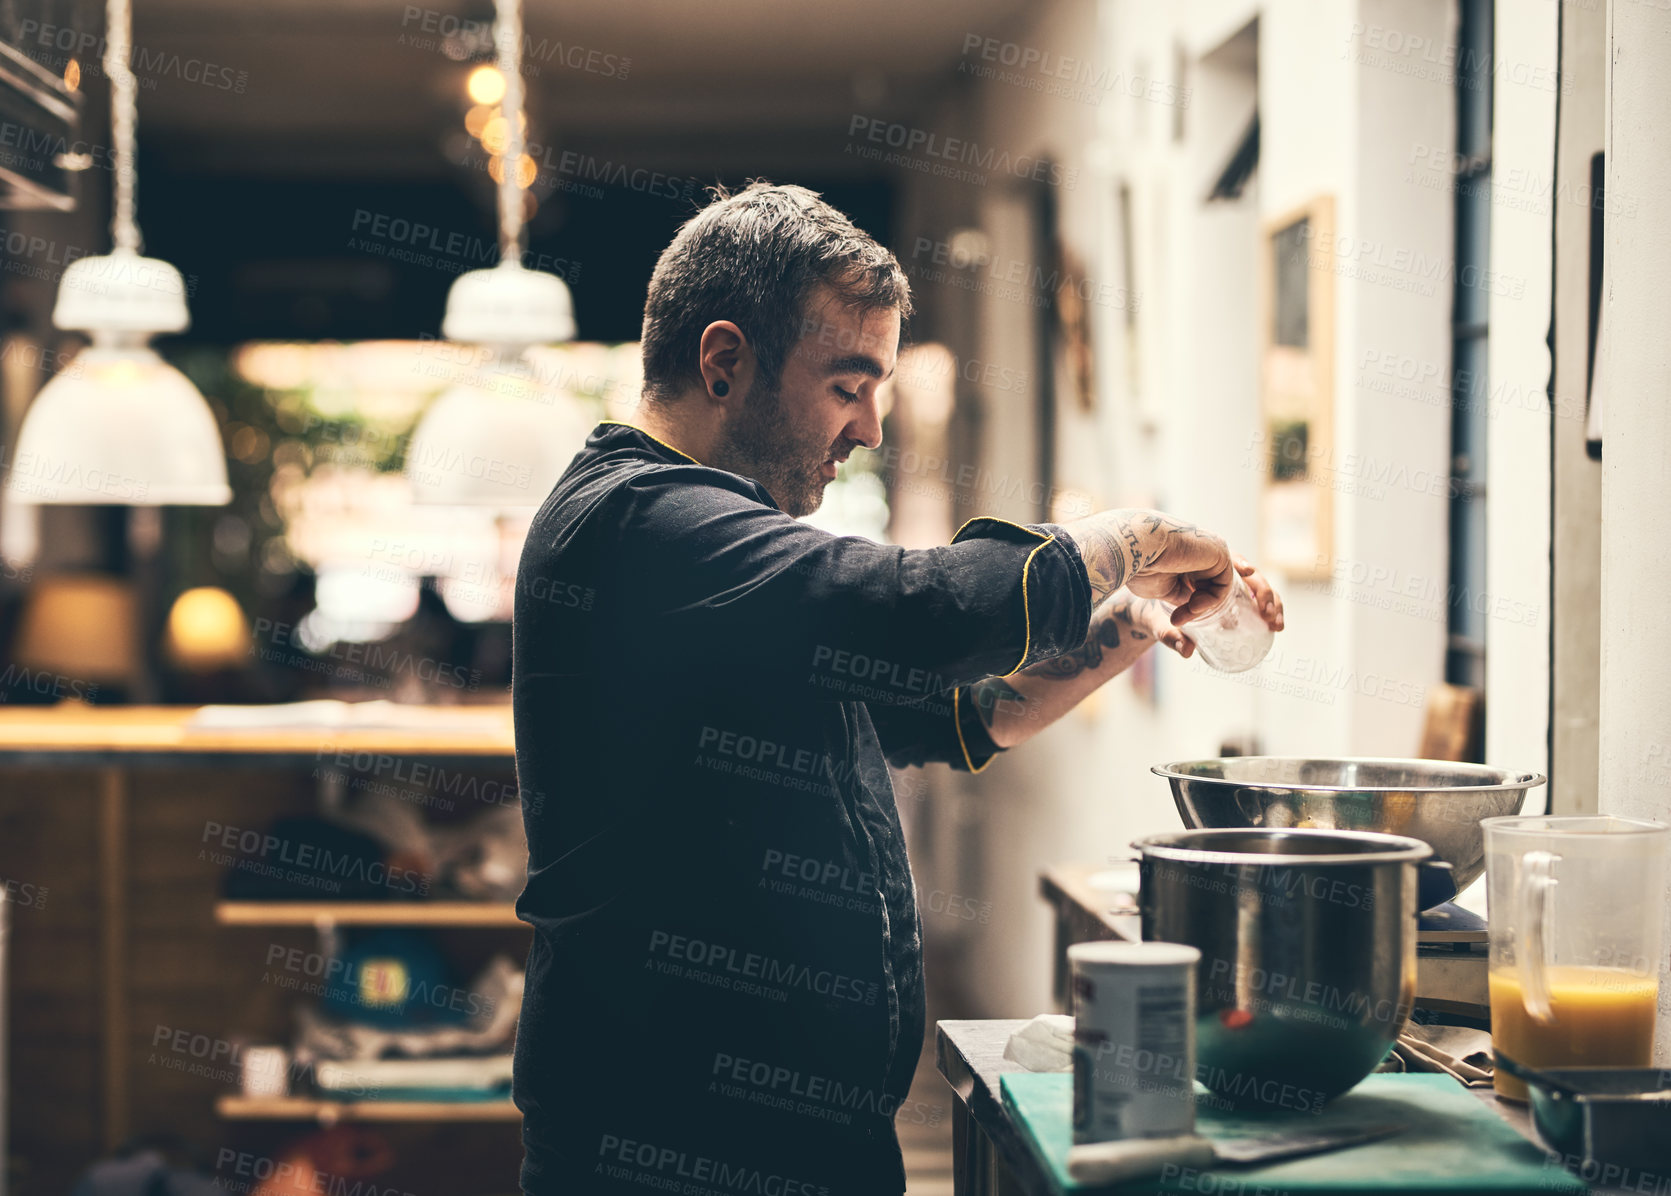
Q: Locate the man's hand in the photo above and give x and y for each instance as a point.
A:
(1154, 556)
(1017, 707)
(1150, 616)
(1265, 600)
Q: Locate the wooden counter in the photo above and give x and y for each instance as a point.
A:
(1084, 913)
(76, 735)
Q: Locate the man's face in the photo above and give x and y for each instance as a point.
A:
(789, 440)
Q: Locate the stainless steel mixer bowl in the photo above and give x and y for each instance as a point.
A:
(1308, 953)
(1437, 801)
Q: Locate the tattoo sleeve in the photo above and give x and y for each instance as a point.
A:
(1105, 633)
(1040, 693)
(1120, 544)
(1112, 547)
(1106, 554)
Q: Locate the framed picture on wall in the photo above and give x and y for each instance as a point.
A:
(1296, 391)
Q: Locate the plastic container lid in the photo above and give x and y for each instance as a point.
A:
(1123, 954)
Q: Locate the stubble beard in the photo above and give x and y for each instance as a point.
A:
(762, 444)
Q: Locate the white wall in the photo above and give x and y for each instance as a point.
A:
(1395, 310)
(1174, 427)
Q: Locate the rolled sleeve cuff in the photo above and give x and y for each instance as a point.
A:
(1054, 592)
(974, 741)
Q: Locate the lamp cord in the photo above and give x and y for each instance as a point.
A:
(118, 49)
(124, 230)
(507, 32)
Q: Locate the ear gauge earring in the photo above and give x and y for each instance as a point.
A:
(722, 388)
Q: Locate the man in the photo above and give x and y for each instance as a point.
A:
(725, 988)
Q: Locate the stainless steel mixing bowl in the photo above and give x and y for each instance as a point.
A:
(1437, 801)
(1308, 953)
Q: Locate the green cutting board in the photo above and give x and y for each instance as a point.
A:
(1454, 1143)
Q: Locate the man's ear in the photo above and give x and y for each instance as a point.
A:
(726, 360)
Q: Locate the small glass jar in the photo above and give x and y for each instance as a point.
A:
(1233, 636)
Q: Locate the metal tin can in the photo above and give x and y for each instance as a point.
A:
(1133, 1040)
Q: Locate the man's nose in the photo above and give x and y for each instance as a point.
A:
(866, 427)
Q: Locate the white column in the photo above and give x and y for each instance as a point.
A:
(1517, 658)
(1636, 455)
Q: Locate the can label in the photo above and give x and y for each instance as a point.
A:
(1133, 1053)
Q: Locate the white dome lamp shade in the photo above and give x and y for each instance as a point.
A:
(498, 438)
(119, 424)
(509, 308)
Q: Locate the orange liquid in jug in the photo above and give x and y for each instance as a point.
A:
(1604, 1017)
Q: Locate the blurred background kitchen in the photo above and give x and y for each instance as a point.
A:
(1374, 288)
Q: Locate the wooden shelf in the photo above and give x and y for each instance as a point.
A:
(366, 913)
(297, 1108)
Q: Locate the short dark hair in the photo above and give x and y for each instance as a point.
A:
(752, 257)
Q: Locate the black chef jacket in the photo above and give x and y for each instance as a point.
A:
(724, 992)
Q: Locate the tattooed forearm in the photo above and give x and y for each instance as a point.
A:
(1105, 633)
(1149, 552)
(1137, 613)
(1016, 708)
(1104, 555)
(1112, 544)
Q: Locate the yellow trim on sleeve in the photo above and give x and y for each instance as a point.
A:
(957, 723)
(1026, 608)
(623, 423)
(1026, 604)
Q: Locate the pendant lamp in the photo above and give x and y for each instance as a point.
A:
(119, 424)
(499, 437)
